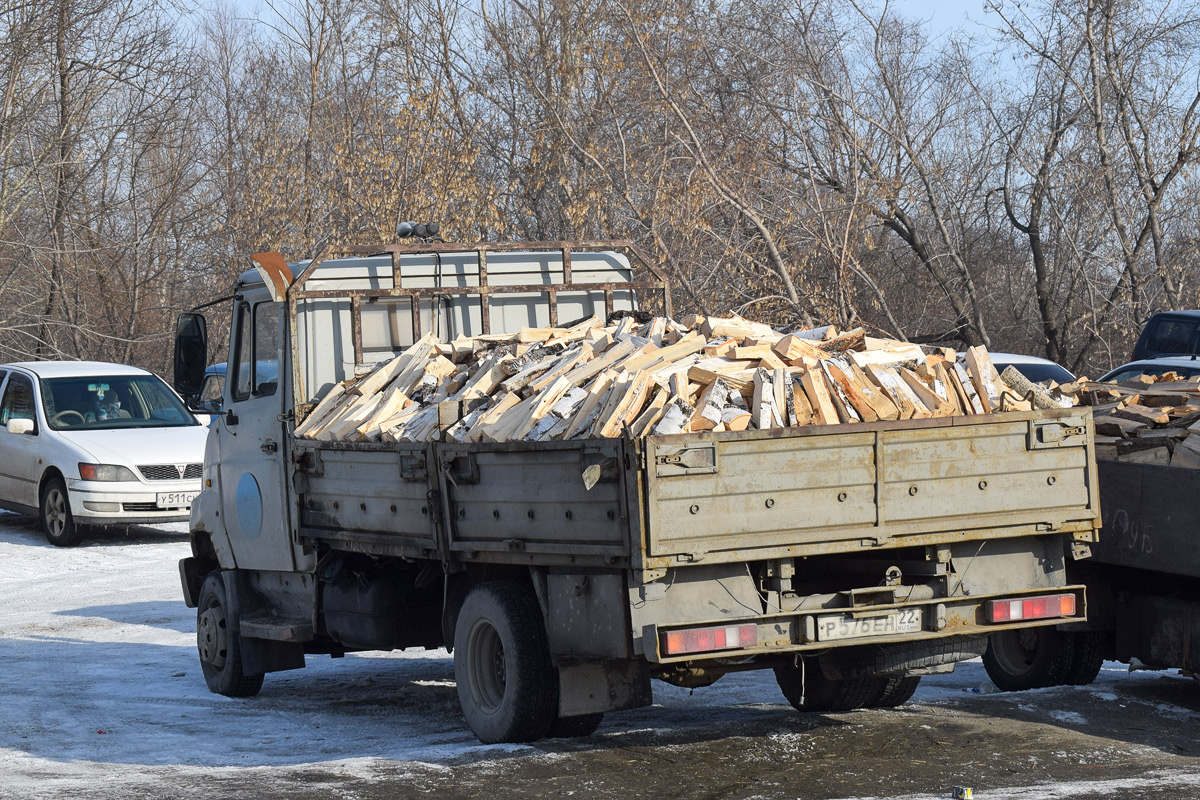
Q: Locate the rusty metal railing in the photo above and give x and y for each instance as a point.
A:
(483, 289)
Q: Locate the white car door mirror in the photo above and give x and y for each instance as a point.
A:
(19, 426)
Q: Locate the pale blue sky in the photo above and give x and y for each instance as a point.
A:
(942, 14)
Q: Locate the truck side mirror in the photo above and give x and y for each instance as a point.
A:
(191, 354)
(20, 426)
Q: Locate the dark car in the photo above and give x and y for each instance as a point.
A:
(1170, 333)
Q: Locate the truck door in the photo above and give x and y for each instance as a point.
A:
(252, 470)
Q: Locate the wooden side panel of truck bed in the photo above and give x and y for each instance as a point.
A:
(720, 497)
(669, 501)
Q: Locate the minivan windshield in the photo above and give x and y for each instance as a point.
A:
(112, 401)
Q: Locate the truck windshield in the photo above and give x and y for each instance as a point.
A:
(112, 401)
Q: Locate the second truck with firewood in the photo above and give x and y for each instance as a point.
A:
(516, 453)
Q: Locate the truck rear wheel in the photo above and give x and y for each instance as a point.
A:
(889, 691)
(1031, 658)
(219, 646)
(807, 689)
(506, 682)
(868, 661)
(1087, 656)
(574, 727)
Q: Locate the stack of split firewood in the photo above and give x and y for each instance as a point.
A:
(640, 376)
(1149, 420)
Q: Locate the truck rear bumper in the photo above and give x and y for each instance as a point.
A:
(820, 629)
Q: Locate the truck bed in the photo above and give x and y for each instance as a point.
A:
(706, 498)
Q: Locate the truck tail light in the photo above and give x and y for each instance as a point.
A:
(699, 640)
(1046, 606)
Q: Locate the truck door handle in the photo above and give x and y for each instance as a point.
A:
(269, 447)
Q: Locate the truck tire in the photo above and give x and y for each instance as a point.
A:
(55, 515)
(1087, 656)
(890, 691)
(808, 689)
(875, 660)
(574, 727)
(507, 685)
(1031, 658)
(218, 645)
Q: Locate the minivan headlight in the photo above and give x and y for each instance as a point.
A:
(105, 472)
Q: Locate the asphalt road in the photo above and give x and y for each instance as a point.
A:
(102, 698)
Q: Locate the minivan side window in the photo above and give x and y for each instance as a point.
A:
(18, 401)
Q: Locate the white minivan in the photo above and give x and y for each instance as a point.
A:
(87, 443)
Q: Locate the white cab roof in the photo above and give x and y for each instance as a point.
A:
(75, 369)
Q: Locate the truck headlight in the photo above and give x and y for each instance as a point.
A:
(105, 472)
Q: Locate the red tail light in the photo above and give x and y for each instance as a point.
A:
(699, 640)
(1047, 606)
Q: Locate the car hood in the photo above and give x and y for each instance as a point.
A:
(134, 446)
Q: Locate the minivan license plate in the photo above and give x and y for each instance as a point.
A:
(174, 499)
(845, 626)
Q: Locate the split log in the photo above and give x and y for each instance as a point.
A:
(1028, 389)
(1142, 414)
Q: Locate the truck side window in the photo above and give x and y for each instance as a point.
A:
(243, 363)
(266, 344)
(18, 401)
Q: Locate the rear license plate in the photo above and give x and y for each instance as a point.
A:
(174, 499)
(844, 626)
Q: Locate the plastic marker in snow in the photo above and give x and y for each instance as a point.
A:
(963, 793)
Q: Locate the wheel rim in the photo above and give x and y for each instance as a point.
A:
(1015, 651)
(211, 636)
(487, 671)
(55, 512)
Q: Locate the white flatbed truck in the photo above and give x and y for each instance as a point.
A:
(850, 559)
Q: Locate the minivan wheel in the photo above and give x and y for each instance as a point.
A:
(55, 517)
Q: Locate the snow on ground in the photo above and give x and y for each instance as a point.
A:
(100, 680)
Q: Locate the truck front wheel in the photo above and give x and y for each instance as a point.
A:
(1031, 658)
(506, 682)
(807, 689)
(219, 646)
